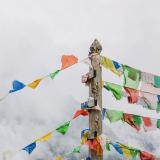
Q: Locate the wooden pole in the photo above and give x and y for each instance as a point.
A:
(95, 91)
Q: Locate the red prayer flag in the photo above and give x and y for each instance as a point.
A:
(68, 60)
(128, 118)
(95, 145)
(146, 156)
(80, 112)
(147, 121)
(133, 95)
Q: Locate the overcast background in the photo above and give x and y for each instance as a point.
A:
(33, 36)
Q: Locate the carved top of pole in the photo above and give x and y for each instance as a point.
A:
(95, 47)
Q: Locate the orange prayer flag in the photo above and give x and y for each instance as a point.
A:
(147, 121)
(35, 83)
(68, 60)
(80, 112)
(145, 156)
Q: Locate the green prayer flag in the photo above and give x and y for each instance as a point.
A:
(158, 107)
(114, 116)
(158, 123)
(134, 152)
(131, 77)
(137, 120)
(77, 149)
(108, 147)
(63, 128)
(115, 89)
(52, 75)
(157, 81)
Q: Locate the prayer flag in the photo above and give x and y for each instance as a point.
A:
(68, 60)
(137, 120)
(17, 85)
(108, 147)
(133, 95)
(45, 137)
(147, 77)
(117, 148)
(58, 158)
(129, 152)
(158, 123)
(149, 123)
(131, 77)
(35, 83)
(108, 64)
(104, 113)
(80, 112)
(30, 148)
(128, 118)
(77, 149)
(64, 128)
(157, 81)
(115, 89)
(114, 116)
(146, 156)
(54, 74)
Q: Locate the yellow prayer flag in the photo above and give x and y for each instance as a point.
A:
(126, 152)
(108, 64)
(45, 138)
(35, 83)
(58, 158)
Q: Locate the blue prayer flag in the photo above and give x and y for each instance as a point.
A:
(116, 64)
(117, 148)
(158, 96)
(88, 158)
(30, 148)
(17, 85)
(104, 111)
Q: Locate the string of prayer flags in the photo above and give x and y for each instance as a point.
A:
(30, 148)
(147, 100)
(63, 128)
(35, 83)
(45, 137)
(68, 60)
(134, 121)
(130, 152)
(133, 78)
(17, 85)
(113, 66)
(80, 112)
(54, 74)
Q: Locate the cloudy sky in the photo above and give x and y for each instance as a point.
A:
(33, 36)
